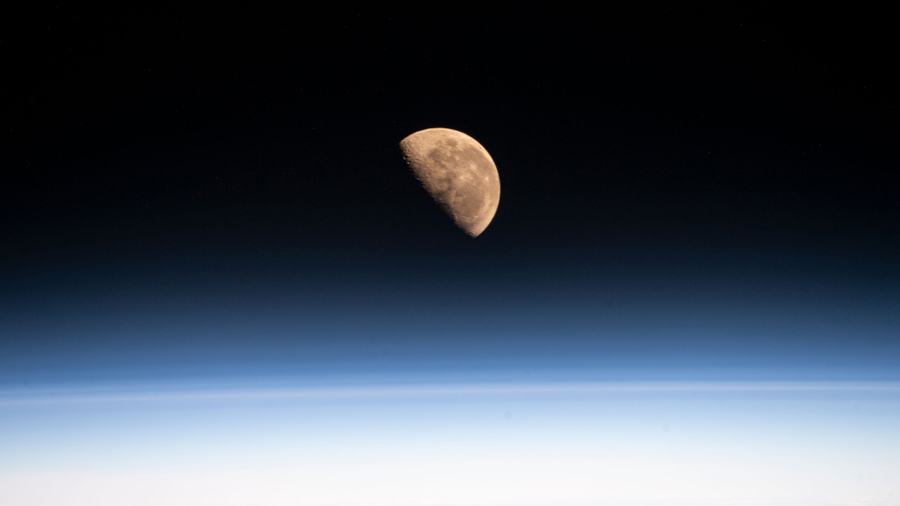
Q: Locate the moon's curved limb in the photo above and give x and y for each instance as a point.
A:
(458, 173)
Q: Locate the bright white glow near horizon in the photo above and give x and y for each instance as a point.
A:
(454, 444)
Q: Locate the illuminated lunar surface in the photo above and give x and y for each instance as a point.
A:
(458, 173)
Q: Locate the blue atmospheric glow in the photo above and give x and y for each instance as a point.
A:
(400, 391)
(463, 443)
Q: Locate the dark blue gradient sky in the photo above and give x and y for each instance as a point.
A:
(592, 315)
(689, 191)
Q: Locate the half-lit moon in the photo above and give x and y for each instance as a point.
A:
(458, 173)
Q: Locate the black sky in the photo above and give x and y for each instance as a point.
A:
(692, 121)
(653, 141)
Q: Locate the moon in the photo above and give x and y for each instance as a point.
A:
(458, 173)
